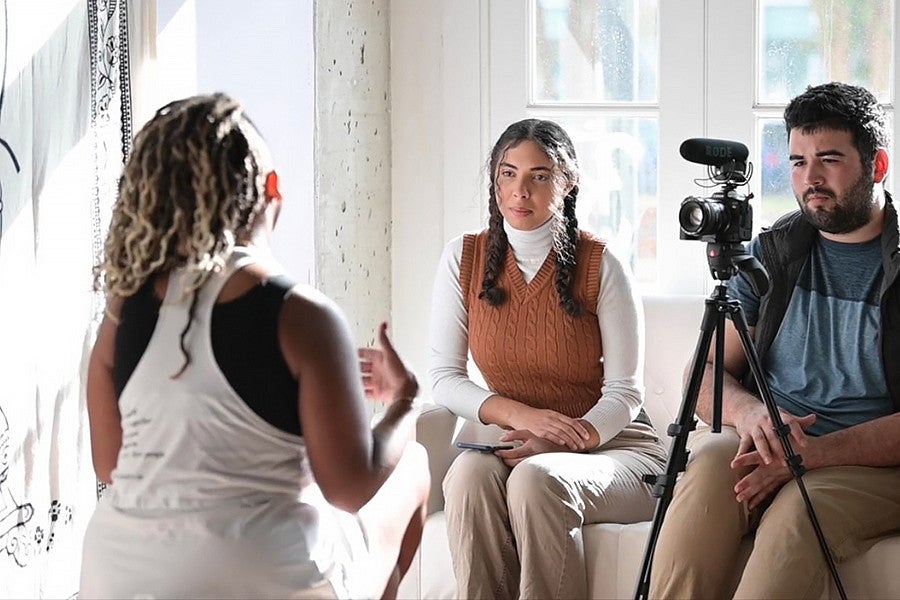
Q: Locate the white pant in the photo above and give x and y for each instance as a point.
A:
(269, 550)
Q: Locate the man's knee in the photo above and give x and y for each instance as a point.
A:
(709, 470)
(714, 449)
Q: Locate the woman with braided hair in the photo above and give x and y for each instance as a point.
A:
(555, 326)
(226, 403)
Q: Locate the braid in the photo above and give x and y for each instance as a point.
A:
(192, 186)
(558, 147)
(565, 242)
(497, 245)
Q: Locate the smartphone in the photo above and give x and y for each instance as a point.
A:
(483, 447)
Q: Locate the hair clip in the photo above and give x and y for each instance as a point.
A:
(272, 192)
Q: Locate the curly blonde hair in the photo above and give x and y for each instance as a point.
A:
(192, 187)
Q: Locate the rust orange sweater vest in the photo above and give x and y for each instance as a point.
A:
(528, 348)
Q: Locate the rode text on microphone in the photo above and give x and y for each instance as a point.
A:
(714, 152)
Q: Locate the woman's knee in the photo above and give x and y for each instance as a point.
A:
(531, 484)
(474, 473)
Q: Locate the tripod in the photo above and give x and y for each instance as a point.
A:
(725, 260)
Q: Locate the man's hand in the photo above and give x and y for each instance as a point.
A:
(763, 481)
(757, 432)
(531, 446)
(552, 426)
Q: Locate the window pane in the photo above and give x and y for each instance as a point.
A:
(775, 174)
(617, 194)
(807, 42)
(595, 51)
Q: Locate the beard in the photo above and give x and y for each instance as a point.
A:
(850, 211)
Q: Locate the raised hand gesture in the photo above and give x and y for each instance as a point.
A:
(385, 376)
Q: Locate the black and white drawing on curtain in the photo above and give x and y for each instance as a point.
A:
(110, 110)
(14, 539)
(3, 142)
(111, 113)
(65, 130)
(18, 540)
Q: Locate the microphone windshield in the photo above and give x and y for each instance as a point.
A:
(713, 152)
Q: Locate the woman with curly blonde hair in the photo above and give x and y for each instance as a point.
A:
(226, 403)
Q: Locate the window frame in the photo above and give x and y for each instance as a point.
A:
(707, 86)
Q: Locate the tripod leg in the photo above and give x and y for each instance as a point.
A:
(794, 461)
(718, 377)
(662, 484)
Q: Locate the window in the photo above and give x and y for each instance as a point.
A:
(807, 42)
(631, 79)
(594, 70)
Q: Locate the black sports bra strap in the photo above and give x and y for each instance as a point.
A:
(281, 281)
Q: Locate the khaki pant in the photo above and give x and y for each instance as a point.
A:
(517, 532)
(701, 533)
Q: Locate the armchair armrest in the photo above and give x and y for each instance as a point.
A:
(436, 429)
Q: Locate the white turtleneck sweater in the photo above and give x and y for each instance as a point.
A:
(619, 313)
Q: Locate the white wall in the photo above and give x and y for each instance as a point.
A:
(262, 54)
(323, 103)
(440, 142)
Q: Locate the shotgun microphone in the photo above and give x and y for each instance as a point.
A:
(712, 152)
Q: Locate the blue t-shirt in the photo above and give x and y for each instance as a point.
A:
(825, 358)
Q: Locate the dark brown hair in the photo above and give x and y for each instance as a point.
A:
(841, 107)
(558, 147)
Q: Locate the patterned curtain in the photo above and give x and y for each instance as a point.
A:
(65, 129)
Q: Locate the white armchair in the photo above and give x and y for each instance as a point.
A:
(614, 551)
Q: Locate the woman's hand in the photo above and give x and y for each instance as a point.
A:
(552, 426)
(531, 446)
(385, 376)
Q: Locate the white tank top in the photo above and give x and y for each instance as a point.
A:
(207, 498)
(192, 442)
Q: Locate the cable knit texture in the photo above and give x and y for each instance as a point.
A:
(528, 349)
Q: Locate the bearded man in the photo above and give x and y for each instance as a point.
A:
(828, 336)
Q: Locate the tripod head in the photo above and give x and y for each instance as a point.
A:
(726, 259)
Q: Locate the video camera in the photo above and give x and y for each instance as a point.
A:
(726, 216)
(725, 219)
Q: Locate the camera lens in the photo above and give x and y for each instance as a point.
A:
(699, 217)
(694, 217)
